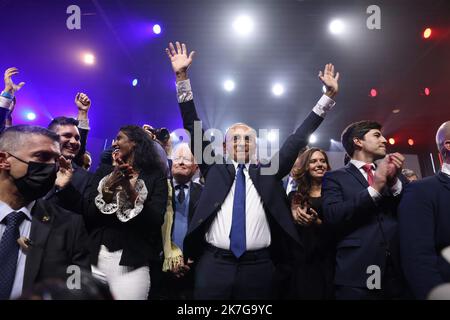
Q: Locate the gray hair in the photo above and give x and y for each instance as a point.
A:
(15, 137)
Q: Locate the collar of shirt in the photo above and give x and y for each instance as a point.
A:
(188, 184)
(235, 164)
(6, 209)
(360, 164)
(446, 168)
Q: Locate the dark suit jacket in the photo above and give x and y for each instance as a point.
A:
(75, 193)
(219, 179)
(360, 224)
(59, 239)
(424, 218)
(140, 237)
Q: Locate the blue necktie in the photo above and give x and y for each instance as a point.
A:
(9, 251)
(237, 233)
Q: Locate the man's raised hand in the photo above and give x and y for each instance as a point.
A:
(10, 86)
(330, 80)
(179, 59)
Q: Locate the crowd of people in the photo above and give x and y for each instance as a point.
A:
(156, 222)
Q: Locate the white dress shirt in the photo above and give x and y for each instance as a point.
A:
(24, 230)
(256, 225)
(376, 196)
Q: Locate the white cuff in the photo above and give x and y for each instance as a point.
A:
(324, 105)
(376, 196)
(396, 189)
(84, 124)
(184, 91)
(5, 103)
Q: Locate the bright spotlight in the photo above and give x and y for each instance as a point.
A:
(277, 89)
(336, 26)
(89, 58)
(312, 138)
(30, 116)
(243, 25)
(156, 29)
(229, 85)
(427, 33)
(135, 82)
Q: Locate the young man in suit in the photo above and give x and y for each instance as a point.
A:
(424, 222)
(51, 238)
(361, 201)
(242, 223)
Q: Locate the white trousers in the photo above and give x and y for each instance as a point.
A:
(125, 283)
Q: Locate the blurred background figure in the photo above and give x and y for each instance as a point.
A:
(410, 175)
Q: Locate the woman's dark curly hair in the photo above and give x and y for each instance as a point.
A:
(302, 177)
(146, 157)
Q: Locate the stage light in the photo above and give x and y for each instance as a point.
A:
(89, 58)
(373, 93)
(336, 26)
(277, 89)
(156, 29)
(229, 85)
(391, 141)
(396, 111)
(427, 91)
(312, 138)
(243, 25)
(30, 116)
(134, 82)
(272, 136)
(427, 33)
(174, 137)
(411, 142)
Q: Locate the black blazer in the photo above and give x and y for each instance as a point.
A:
(424, 218)
(59, 239)
(140, 237)
(360, 224)
(219, 179)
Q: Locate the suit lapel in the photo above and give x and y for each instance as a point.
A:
(194, 196)
(40, 228)
(354, 171)
(254, 175)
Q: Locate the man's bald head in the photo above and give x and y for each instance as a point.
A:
(443, 141)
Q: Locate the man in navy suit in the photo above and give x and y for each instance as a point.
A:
(360, 200)
(242, 223)
(424, 223)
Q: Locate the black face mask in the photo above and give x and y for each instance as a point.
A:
(38, 180)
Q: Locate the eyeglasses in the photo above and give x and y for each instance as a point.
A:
(182, 159)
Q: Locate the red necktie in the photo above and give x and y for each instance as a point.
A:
(368, 169)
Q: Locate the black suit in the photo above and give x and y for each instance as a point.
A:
(424, 215)
(59, 239)
(219, 180)
(366, 233)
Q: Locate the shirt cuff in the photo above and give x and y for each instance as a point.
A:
(184, 91)
(324, 105)
(5, 103)
(396, 189)
(84, 124)
(376, 196)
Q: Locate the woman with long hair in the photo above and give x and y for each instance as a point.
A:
(314, 264)
(126, 211)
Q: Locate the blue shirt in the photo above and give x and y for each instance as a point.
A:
(24, 229)
(181, 216)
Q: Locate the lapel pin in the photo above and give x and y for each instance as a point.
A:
(46, 218)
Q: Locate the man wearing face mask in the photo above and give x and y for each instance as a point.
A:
(38, 240)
